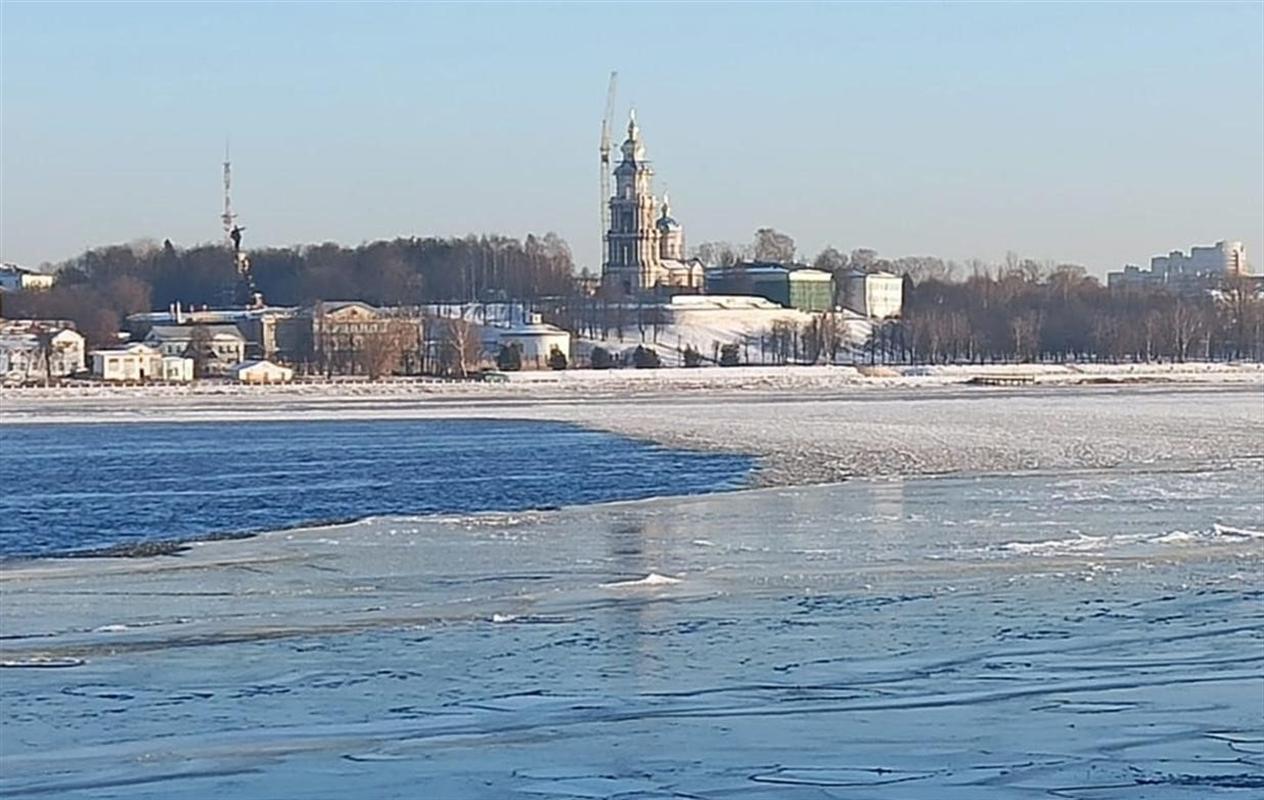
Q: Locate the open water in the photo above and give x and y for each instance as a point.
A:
(71, 488)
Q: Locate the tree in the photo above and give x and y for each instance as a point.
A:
(381, 351)
(923, 268)
(557, 359)
(830, 260)
(200, 349)
(600, 358)
(509, 359)
(864, 259)
(44, 341)
(645, 358)
(773, 245)
(730, 355)
(459, 348)
(718, 254)
(692, 357)
(140, 276)
(1026, 328)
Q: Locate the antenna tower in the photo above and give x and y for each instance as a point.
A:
(228, 217)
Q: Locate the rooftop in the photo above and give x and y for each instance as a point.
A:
(178, 332)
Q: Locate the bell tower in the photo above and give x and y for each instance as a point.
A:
(632, 257)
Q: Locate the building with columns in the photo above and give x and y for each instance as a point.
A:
(645, 249)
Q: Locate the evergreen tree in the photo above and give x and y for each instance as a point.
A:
(509, 359)
(557, 359)
(601, 359)
(646, 358)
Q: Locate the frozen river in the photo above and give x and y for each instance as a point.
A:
(1074, 634)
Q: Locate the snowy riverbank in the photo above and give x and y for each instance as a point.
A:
(548, 384)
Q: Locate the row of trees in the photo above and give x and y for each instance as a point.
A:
(1067, 315)
(99, 288)
(772, 245)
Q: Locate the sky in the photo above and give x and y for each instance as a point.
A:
(1094, 134)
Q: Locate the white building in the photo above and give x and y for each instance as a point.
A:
(36, 350)
(224, 345)
(535, 341)
(136, 362)
(17, 279)
(177, 369)
(261, 371)
(877, 295)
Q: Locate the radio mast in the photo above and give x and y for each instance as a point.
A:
(228, 217)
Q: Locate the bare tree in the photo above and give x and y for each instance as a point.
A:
(460, 349)
(830, 260)
(44, 341)
(864, 259)
(382, 350)
(719, 254)
(1185, 324)
(773, 245)
(923, 268)
(1025, 327)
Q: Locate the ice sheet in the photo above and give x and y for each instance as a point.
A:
(873, 639)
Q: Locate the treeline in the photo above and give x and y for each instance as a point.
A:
(1025, 310)
(1067, 315)
(98, 289)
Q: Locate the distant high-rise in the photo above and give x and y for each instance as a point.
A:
(1222, 259)
(1203, 267)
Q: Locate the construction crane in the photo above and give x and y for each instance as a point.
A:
(605, 163)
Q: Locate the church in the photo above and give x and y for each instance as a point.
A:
(645, 249)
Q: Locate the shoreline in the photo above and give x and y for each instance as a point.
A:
(53, 404)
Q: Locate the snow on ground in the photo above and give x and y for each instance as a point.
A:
(546, 384)
(706, 327)
(808, 424)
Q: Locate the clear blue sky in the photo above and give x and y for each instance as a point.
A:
(1097, 134)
